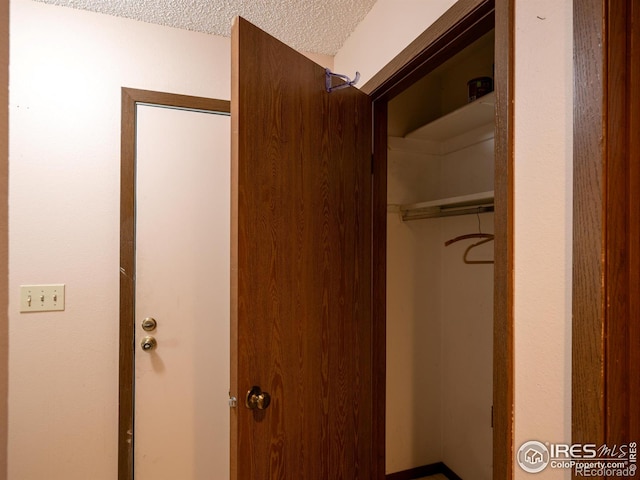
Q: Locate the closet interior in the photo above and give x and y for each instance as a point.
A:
(439, 385)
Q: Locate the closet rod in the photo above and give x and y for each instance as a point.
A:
(436, 212)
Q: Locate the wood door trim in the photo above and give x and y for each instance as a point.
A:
(503, 350)
(605, 340)
(634, 226)
(464, 20)
(616, 212)
(130, 98)
(379, 286)
(587, 403)
(431, 47)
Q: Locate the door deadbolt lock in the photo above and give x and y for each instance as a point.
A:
(148, 343)
(149, 324)
(257, 399)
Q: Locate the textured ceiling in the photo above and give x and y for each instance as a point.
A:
(318, 26)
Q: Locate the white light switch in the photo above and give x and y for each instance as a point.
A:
(41, 298)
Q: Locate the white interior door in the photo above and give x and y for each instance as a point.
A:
(182, 262)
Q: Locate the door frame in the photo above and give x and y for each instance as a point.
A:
(606, 224)
(130, 99)
(454, 28)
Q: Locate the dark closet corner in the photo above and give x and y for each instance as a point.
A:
(424, 471)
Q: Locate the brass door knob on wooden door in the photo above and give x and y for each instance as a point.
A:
(257, 399)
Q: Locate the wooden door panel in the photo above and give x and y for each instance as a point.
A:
(301, 266)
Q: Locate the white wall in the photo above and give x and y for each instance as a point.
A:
(414, 345)
(467, 350)
(67, 68)
(543, 195)
(543, 223)
(389, 27)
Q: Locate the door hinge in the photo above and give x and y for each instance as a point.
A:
(491, 416)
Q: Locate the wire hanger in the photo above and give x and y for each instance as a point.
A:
(347, 81)
(465, 258)
(486, 237)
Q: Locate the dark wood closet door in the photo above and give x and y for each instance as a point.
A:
(301, 267)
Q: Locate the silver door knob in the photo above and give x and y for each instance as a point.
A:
(257, 399)
(148, 343)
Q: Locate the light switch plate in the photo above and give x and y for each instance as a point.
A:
(41, 298)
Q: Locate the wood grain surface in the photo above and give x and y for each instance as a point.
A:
(301, 266)
(503, 287)
(616, 212)
(379, 286)
(634, 223)
(588, 223)
(606, 251)
(622, 196)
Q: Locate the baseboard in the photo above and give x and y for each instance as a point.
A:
(450, 474)
(417, 472)
(424, 471)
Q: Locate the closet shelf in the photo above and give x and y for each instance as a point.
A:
(464, 119)
(447, 207)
